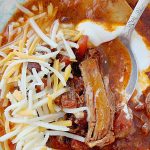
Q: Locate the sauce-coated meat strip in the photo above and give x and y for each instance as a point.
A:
(100, 107)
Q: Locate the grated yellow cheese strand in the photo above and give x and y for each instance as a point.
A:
(44, 148)
(5, 66)
(26, 56)
(66, 76)
(1, 119)
(25, 33)
(1, 40)
(20, 55)
(6, 146)
(14, 79)
(2, 146)
(56, 67)
(33, 45)
(22, 42)
(66, 123)
(24, 10)
(5, 103)
(69, 32)
(40, 6)
(77, 37)
(12, 71)
(50, 104)
(41, 129)
(20, 46)
(9, 57)
(18, 95)
(7, 128)
(143, 80)
(26, 112)
(55, 10)
(50, 9)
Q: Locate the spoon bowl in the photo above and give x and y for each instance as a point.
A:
(125, 37)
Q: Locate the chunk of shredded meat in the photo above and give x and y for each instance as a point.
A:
(147, 102)
(124, 125)
(69, 100)
(123, 122)
(74, 98)
(32, 65)
(101, 107)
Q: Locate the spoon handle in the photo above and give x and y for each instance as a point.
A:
(135, 16)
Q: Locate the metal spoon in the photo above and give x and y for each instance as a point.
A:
(125, 37)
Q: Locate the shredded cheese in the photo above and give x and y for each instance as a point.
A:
(6, 146)
(75, 110)
(49, 117)
(7, 127)
(27, 113)
(11, 98)
(30, 99)
(18, 95)
(40, 103)
(23, 86)
(56, 67)
(42, 49)
(69, 135)
(50, 104)
(68, 48)
(23, 133)
(40, 62)
(29, 94)
(41, 34)
(50, 126)
(66, 123)
(40, 6)
(14, 79)
(1, 40)
(33, 45)
(50, 9)
(12, 71)
(55, 27)
(45, 139)
(3, 54)
(9, 56)
(9, 135)
(66, 76)
(36, 76)
(24, 10)
(49, 55)
(39, 16)
(22, 42)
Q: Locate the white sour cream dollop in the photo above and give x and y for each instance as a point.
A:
(97, 33)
